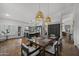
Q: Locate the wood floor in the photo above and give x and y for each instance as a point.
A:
(12, 47)
(69, 48)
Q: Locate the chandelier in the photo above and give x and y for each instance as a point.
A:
(48, 19)
(39, 16)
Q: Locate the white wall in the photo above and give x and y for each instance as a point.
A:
(8, 21)
(76, 25)
(67, 20)
(13, 24)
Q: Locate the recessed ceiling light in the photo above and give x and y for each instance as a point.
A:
(7, 14)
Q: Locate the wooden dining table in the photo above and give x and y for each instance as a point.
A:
(43, 43)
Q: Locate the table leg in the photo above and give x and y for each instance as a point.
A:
(43, 49)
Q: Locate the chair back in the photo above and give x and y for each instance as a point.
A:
(60, 44)
(55, 45)
(24, 49)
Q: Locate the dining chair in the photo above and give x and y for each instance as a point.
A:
(52, 49)
(60, 44)
(29, 51)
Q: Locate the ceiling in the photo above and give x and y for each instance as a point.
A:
(26, 12)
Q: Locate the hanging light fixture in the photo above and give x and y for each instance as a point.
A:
(39, 15)
(48, 18)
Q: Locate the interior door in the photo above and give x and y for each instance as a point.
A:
(19, 31)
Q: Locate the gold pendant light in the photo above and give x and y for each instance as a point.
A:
(39, 16)
(48, 19)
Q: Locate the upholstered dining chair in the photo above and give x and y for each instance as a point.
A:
(60, 44)
(29, 51)
(52, 49)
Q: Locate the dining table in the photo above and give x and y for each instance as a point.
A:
(42, 43)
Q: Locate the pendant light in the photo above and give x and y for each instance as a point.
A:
(39, 15)
(48, 18)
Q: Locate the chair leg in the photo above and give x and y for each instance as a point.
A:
(60, 47)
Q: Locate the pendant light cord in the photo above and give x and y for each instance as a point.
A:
(39, 6)
(48, 9)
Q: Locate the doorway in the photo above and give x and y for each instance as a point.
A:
(19, 31)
